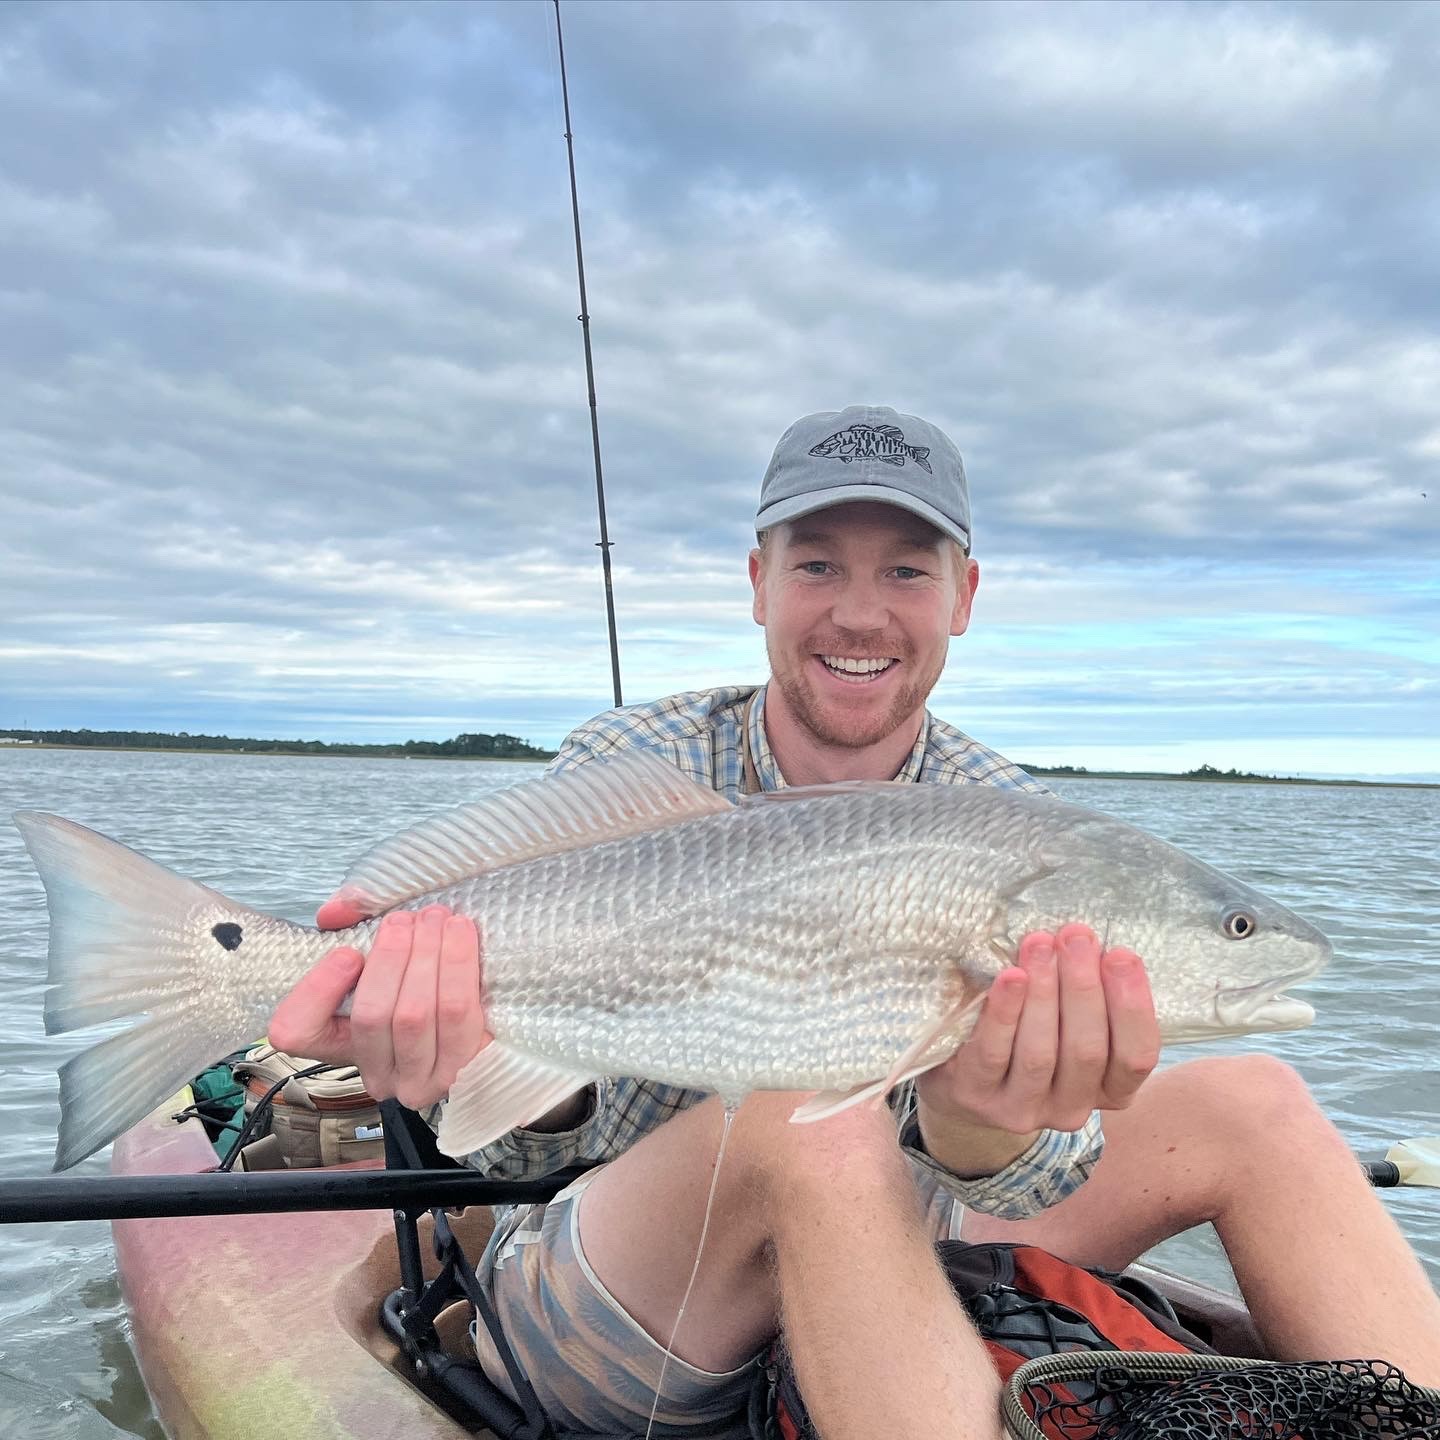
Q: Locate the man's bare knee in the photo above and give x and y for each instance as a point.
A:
(1242, 1100)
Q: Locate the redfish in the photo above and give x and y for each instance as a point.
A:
(837, 938)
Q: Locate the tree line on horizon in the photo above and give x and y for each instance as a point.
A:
(476, 746)
(1201, 772)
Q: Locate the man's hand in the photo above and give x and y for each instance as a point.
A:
(416, 1018)
(1065, 1031)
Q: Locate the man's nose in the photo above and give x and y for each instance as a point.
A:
(860, 606)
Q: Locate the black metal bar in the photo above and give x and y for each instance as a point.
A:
(584, 318)
(142, 1197)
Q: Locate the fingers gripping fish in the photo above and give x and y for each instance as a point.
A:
(835, 938)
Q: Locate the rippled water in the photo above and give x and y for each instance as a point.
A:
(277, 832)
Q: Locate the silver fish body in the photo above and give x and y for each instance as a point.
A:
(801, 944)
(809, 940)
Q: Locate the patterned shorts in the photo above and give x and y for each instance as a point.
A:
(592, 1366)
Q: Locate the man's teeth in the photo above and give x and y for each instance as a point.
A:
(848, 666)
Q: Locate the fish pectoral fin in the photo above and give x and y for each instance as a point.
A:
(931, 1043)
(929, 1048)
(832, 1102)
(502, 1089)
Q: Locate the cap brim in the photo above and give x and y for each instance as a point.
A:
(813, 500)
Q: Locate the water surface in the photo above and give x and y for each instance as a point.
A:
(277, 832)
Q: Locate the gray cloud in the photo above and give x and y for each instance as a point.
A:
(292, 422)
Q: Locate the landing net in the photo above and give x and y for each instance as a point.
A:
(1203, 1397)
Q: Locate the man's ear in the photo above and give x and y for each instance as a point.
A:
(757, 583)
(967, 581)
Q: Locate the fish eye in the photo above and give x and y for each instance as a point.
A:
(1238, 924)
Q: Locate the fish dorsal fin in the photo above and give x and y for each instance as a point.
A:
(607, 800)
(820, 792)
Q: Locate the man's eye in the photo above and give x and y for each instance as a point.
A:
(907, 572)
(815, 567)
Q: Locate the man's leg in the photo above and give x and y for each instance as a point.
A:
(879, 1344)
(1239, 1142)
(819, 1221)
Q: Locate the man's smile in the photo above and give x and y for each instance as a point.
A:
(857, 670)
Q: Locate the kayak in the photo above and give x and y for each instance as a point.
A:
(269, 1324)
(250, 1325)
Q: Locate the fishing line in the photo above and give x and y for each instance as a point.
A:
(730, 1108)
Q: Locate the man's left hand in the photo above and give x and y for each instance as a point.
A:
(1065, 1031)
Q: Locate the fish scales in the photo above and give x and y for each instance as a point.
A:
(801, 943)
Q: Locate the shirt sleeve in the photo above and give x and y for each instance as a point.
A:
(619, 1113)
(1055, 1165)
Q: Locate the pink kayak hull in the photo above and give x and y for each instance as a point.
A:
(263, 1325)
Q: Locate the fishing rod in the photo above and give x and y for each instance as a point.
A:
(260, 1192)
(584, 318)
(1413, 1164)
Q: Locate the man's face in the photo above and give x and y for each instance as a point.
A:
(858, 604)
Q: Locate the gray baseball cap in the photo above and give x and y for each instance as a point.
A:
(867, 452)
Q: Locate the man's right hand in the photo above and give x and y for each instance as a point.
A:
(416, 1017)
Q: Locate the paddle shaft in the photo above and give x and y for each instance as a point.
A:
(147, 1197)
(1382, 1174)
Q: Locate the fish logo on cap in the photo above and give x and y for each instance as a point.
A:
(872, 442)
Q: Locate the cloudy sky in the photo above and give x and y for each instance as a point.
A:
(293, 433)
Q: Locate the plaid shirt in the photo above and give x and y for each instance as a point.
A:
(699, 732)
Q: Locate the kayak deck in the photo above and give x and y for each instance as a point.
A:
(252, 1325)
(270, 1324)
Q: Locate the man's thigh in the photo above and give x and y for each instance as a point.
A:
(641, 1221)
(1156, 1177)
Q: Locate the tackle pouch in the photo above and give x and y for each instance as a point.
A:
(315, 1120)
(1025, 1303)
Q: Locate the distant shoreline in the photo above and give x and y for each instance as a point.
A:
(1040, 772)
(281, 754)
(1043, 773)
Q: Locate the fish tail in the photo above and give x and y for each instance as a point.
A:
(118, 950)
(920, 454)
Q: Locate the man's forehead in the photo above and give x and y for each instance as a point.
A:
(887, 523)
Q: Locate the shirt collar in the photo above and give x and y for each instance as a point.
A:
(768, 772)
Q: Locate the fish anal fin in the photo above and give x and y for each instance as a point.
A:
(606, 800)
(502, 1089)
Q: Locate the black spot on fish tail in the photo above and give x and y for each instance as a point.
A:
(229, 934)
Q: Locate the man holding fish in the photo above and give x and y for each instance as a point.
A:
(862, 574)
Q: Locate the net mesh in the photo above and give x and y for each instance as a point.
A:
(1342, 1400)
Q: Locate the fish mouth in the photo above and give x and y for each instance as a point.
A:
(1246, 1009)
